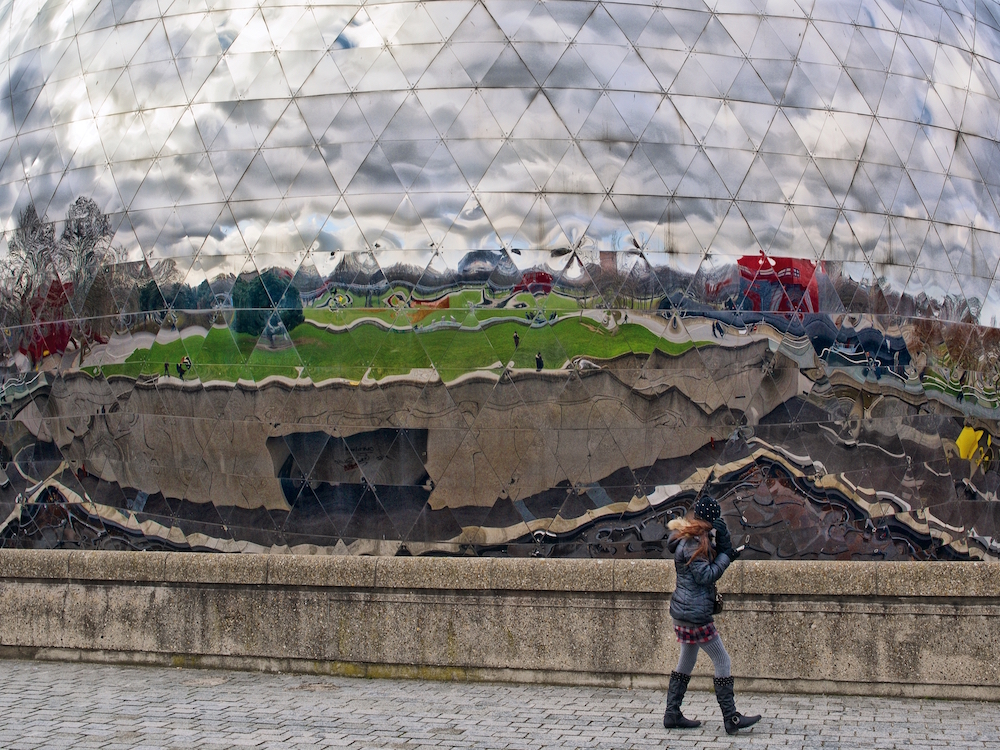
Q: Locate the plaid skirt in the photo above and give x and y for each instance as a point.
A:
(700, 634)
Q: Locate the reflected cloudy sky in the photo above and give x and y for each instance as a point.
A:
(862, 132)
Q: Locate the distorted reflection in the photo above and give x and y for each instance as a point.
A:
(481, 278)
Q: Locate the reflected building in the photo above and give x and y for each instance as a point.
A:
(492, 277)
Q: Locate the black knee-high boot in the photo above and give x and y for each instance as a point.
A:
(672, 717)
(727, 702)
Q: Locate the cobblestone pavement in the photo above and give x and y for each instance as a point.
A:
(57, 705)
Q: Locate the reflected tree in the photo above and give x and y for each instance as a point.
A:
(256, 300)
(204, 296)
(90, 269)
(27, 272)
(84, 246)
(56, 291)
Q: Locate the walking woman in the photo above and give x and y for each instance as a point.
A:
(699, 564)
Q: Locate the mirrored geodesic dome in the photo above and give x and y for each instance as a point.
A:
(490, 277)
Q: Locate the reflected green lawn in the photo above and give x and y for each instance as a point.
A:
(320, 353)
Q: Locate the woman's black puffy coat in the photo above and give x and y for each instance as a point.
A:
(693, 600)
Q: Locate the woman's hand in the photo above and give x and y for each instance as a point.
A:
(723, 542)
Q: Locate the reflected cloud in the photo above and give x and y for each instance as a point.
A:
(476, 278)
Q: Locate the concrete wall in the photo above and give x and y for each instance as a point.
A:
(920, 629)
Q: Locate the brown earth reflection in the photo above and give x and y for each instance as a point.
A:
(816, 478)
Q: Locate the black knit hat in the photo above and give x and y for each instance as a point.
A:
(707, 509)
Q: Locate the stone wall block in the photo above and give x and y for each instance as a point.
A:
(246, 621)
(85, 612)
(440, 573)
(301, 630)
(31, 615)
(732, 580)
(321, 570)
(411, 634)
(644, 576)
(955, 648)
(790, 642)
(28, 563)
(652, 646)
(658, 652)
(175, 621)
(807, 577)
(551, 575)
(944, 579)
(206, 567)
(353, 631)
(117, 566)
(230, 621)
(119, 617)
(530, 632)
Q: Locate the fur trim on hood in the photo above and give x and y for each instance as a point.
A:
(686, 526)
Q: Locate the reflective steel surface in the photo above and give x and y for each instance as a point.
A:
(500, 276)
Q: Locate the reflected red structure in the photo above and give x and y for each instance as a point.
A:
(769, 284)
(51, 332)
(535, 282)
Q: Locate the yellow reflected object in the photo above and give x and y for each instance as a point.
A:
(968, 441)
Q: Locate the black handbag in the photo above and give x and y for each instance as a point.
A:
(718, 606)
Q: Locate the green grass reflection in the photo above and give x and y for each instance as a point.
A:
(455, 344)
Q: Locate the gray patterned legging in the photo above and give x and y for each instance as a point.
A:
(715, 650)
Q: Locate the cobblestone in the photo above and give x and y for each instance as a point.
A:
(61, 705)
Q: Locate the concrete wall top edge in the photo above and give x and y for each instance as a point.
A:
(812, 578)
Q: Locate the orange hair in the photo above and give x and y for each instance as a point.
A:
(690, 527)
